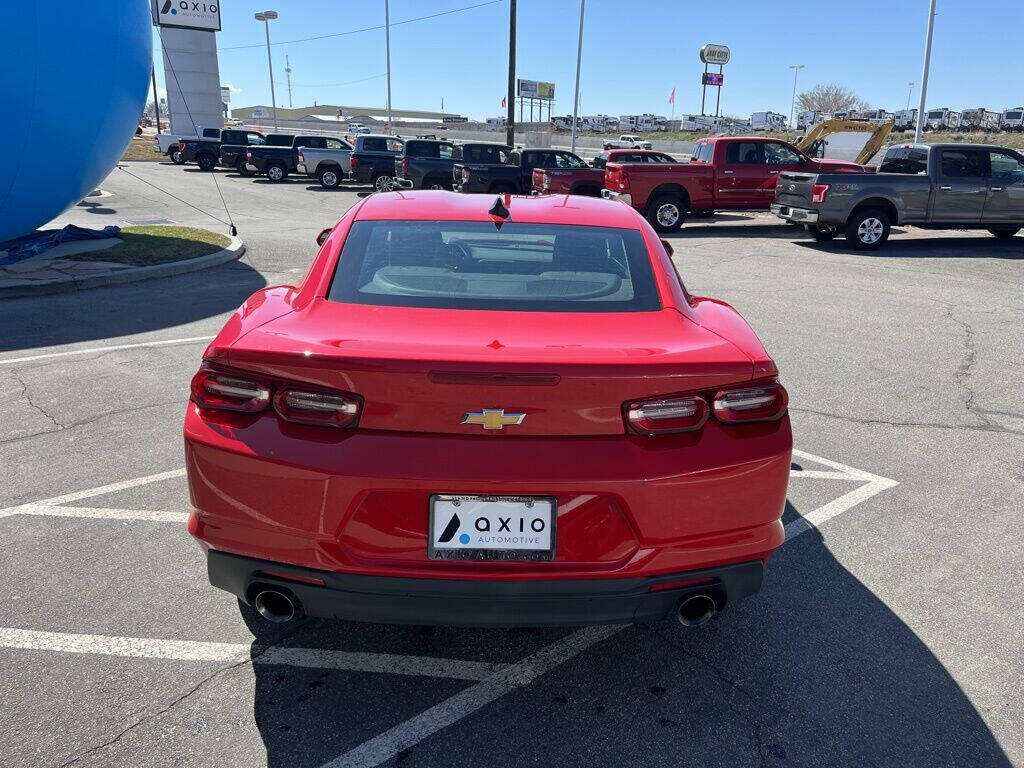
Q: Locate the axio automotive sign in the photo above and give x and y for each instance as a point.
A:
(187, 14)
(714, 54)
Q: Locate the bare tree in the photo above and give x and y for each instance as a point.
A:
(830, 98)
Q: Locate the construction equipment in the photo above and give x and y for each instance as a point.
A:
(813, 144)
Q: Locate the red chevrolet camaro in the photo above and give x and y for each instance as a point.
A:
(487, 411)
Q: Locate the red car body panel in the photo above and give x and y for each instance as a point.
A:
(715, 184)
(354, 501)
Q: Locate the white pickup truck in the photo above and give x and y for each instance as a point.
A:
(330, 166)
(627, 141)
(167, 144)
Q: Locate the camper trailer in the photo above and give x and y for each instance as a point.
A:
(767, 121)
(942, 120)
(1013, 119)
(810, 117)
(979, 119)
(905, 119)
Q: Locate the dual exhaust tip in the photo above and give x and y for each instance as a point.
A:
(696, 609)
(276, 606)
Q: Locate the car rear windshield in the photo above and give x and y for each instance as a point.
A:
(913, 160)
(484, 154)
(475, 265)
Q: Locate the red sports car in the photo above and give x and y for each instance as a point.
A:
(481, 411)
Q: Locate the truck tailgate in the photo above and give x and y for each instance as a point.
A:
(794, 189)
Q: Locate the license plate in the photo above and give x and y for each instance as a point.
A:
(492, 528)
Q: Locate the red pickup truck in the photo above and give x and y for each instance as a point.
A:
(590, 180)
(724, 173)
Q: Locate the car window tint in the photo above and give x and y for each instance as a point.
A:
(335, 144)
(1007, 168)
(780, 154)
(395, 145)
(473, 265)
(254, 140)
(445, 151)
(659, 159)
(745, 153)
(316, 142)
(964, 163)
(912, 160)
(374, 144)
(422, 149)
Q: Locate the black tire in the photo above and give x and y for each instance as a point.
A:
(666, 213)
(867, 229)
(1004, 234)
(503, 188)
(174, 153)
(435, 182)
(330, 177)
(242, 170)
(206, 162)
(276, 172)
(586, 191)
(822, 232)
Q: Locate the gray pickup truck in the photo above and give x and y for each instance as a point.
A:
(932, 186)
(330, 165)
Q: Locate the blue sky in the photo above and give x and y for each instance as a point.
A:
(634, 53)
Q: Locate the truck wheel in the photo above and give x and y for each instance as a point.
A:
(383, 183)
(666, 213)
(867, 229)
(330, 177)
(822, 232)
(276, 172)
(242, 170)
(1005, 234)
(434, 183)
(176, 156)
(206, 162)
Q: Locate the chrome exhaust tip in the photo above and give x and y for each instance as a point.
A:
(275, 606)
(696, 609)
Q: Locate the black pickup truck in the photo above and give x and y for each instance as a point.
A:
(425, 164)
(373, 160)
(931, 186)
(277, 162)
(499, 168)
(233, 155)
(205, 150)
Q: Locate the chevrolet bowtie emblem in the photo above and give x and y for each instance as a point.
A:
(493, 418)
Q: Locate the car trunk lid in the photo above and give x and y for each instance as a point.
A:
(794, 188)
(425, 370)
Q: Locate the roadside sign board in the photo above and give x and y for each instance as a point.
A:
(712, 78)
(535, 89)
(225, 94)
(259, 112)
(714, 54)
(187, 14)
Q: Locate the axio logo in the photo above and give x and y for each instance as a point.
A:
(449, 532)
(167, 7)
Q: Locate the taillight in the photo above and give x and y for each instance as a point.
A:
(248, 155)
(546, 184)
(764, 402)
(818, 192)
(221, 391)
(623, 180)
(355, 162)
(405, 167)
(674, 414)
(308, 407)
(302, 158)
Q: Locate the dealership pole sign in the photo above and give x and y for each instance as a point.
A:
(187, 14)
(711, 55)
(535, 92)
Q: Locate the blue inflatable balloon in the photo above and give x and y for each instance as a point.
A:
(73, 85)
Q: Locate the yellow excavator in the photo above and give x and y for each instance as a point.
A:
(813, 144)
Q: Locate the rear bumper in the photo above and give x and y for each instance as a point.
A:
(621, 197)
(449, 602)
(789, 213)
(404, 183)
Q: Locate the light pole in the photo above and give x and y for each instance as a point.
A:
(265, 17)
(579, 57)
(924, 72)
(387, 48)
(909, 94)
(792, 109)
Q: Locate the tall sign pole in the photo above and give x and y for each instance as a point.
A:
(713, 54)
(156, 98)
(924, 72)
(510, 104)
(792, 105)
(579, 59)
(387, 47)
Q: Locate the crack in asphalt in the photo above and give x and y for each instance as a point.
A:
(36, 406)
(988, 426)
(964, 371)
(259, 648)
(73, 425)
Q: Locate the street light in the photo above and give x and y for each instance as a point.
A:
(579, 58)
(924, 73)
(792, 109)
(909, 94)
(265, 17)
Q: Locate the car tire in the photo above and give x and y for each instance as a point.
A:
(503, 189)
(666, 213)
(330, 177)
(206, 162)
(1004, 234)
(434, 183)
(867, 229)
(822, 232)
(242, 170)
(176, 157)
(383, 183)
(276, 172)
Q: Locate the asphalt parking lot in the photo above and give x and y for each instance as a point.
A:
(889, 631)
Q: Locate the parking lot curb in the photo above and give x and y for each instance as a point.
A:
(83, 282)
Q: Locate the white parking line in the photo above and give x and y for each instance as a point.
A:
(194, 650)
(97, 513)
(114, 348)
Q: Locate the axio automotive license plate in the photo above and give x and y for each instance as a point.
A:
(492, 528)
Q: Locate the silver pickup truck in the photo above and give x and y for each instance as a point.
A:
(931, 186)
(330, 166)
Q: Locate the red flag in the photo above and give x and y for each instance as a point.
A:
(502, 102)
(672, 98)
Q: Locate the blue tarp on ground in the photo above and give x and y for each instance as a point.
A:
(38, 242)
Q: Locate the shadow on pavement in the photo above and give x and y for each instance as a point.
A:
(814, 671)
(693, 228)
(123, 310)
(932, 248)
